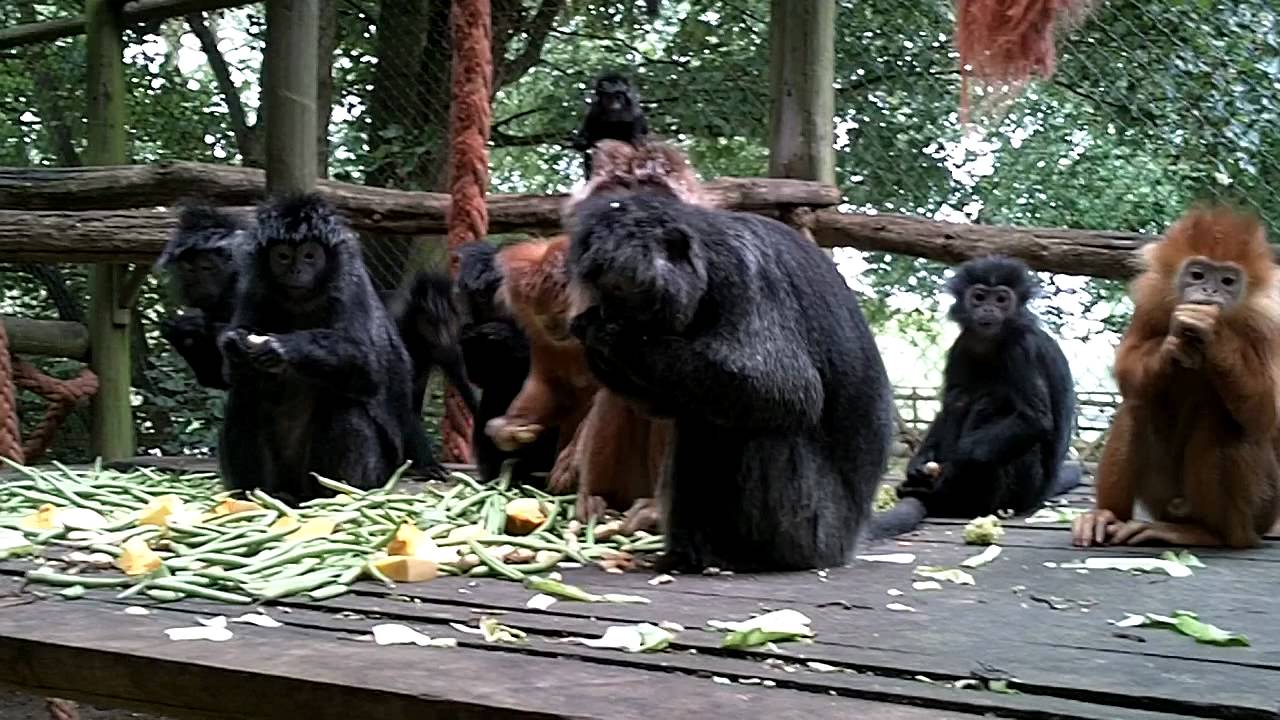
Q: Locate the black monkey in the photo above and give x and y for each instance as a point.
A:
(743, 332)
(496, 353)
(615, 114)
(1008, 408)
(319, 377)
(202, 259)
(430, 322)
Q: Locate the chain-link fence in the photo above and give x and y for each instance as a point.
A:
(1152, 106)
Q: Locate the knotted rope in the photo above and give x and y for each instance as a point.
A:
(62, 397)
(469, 119)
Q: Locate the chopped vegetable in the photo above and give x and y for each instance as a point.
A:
(406, 569)
(157, 511)
(991, 553)
(895, 558)
(985, 530)
(955, 575)
(312, 529)
(886, 497)
(785, 624)
(1187, 623)
(138, 558)
(524, 515)
(643, 637)
(396, 634)
(1134, 564)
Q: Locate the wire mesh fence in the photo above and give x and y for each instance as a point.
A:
(1152, 106)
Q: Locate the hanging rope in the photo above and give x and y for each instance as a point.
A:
(1008, 42)
(469, 118)
(62, 397)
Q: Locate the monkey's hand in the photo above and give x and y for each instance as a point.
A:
(1093, 527)
(590, 506)
(1191, 329)
(509, 434)
(184, 330)
(564, 474)
(265, 352)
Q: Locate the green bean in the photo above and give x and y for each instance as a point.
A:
(164, 595)
(479, 497)
(395, 478)
(351, 574)
(295, 556)
(332, 591)
(52, 578)
(197, 591)
(293, 586)
(73, 592)
(378, 575)
(266, 500)
(496, 514)
(497, 565)
(336, 486)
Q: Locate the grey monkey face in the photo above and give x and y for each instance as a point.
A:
(988, 307)
(1204, 282)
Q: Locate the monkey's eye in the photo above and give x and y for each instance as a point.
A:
(1228, 281)
(979, 296)
(1197, 276)
(1002, 298)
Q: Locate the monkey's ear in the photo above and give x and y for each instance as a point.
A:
(676, 243)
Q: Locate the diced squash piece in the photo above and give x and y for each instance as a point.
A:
(407, 569)
(231, 506)
(138, 558)
(285, 522)
(313, 528)
(44, 518)
(524, 515)
(409, 541)
(159, 509)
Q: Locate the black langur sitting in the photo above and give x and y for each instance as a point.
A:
(744, 334)
(614, 114)
(1008, 408)
(319, 377)
(496, 354)
(202, 260)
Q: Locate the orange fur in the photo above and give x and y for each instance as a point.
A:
(603, 443)
(1198, 445)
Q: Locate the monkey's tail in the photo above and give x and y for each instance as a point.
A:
(1069, 476)
(903, 517)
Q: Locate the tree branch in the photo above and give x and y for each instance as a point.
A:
(246, 135)
(509, 71)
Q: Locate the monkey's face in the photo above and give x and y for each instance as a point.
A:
(656, 277)
(1202, 281)
(203, 276)
(614, 100)
(297, 269)
(989, 307)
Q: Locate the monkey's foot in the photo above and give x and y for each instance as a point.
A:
(1139, 532)
(644, 514)
(510, 436)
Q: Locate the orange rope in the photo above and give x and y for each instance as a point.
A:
(1009, 42)
(62, 397)
(469, 119)
(10, 431)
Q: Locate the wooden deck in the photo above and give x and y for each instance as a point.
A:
(1044, 627)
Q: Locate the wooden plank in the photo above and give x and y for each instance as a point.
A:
(112, 411)
(1096, 253)
(101, 655)
(51, 338)
(138, 11)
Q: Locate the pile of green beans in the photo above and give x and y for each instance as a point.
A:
(238, 558)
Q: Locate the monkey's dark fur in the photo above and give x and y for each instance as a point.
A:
(327, 390)
(496, 354)
(430, 323)
(614, 114)
(743, 332)
(1007, 414)
(202, 259)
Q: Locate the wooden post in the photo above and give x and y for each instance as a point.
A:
(293, 37)
(108, 322)
(801, 76)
